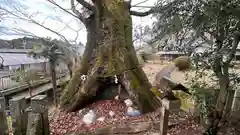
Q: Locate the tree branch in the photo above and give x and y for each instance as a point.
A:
(75, 11)
(156, 9)
(29, 19)
(86, 5)
(234, 48)
(139, 3)
(141, 14)
(57, 5)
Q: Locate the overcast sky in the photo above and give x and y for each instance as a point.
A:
(46, 10)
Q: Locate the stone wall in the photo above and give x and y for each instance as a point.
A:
(18, 115)
(3, 123)
(38, 123)
(27, 120)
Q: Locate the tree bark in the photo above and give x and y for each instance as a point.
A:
(30, 89)
(70, 68)
(112, 54)
(217, 115)
(75, 82)
(54, 81)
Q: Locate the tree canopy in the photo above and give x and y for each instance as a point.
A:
(213, 25)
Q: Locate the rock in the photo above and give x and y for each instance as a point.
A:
(117, 97)
(130, 109)
(133, 112)
(89, 118)
(128, 102)
(83, 112)
(111, 113)
(124, 118)
(101, 118)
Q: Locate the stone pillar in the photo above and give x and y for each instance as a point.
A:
(35, 125)
(236, 107)
(2, 102)
(3, 123)
(19, 117)
(168, 105)
(39, 105)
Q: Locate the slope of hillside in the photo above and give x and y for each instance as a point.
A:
(18, 43)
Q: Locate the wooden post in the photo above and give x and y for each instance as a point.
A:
(168, 105)
(39, 106)
(164, 121)
(3, 123)
(19, 117)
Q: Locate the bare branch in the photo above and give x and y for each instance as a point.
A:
(75, 11)
(29, 19)
(54, 3)
(141, 14)
(156, 9)
(69, 27)
(86, 5)
(139, 3)
(143, 6)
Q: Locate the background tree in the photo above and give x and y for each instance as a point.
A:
(54, 52)
(17, 11)
(30, 77)
(216, 23)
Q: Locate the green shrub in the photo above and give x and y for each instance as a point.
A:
(203, 95)
(183, 63)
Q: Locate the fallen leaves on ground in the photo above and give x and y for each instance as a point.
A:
(65, 122)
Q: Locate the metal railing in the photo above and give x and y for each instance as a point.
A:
(8, 82)
(11, 80)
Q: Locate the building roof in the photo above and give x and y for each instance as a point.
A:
(11, 59)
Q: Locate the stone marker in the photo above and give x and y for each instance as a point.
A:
(35, 125)
(3, 123)
(19, 117)
(39, 105)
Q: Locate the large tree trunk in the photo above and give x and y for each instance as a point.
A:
(112, 54)
(75, 82)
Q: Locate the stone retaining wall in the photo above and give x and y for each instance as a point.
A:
(3, 123)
